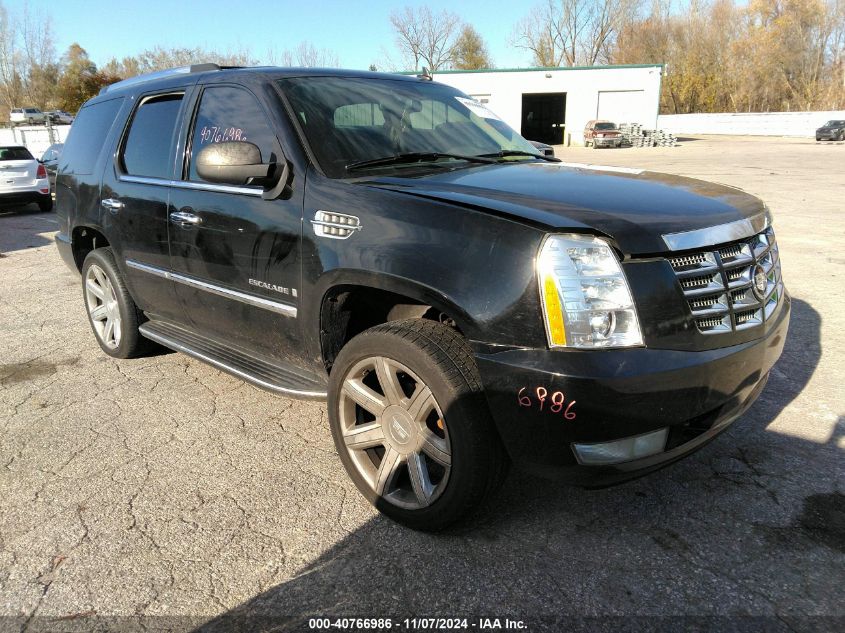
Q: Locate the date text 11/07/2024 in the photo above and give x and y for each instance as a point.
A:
(556, 402)
(418, 624)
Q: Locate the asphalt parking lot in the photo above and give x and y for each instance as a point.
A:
(161, 487)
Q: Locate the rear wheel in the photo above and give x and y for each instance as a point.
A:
(112, 312)
(411, 424)
(46, 204)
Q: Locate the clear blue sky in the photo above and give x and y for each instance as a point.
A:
(356, 30)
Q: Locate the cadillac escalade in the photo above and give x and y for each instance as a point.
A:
(388, 244)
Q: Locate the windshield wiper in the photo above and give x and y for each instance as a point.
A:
(414, 157)
(518, 152)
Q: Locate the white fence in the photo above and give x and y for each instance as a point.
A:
(36, 138)
(753, 123)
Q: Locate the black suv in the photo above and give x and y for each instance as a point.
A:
(831, 131)
(387, 243)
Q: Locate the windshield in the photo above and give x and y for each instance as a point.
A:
(15, 153)
(605, 126)
(834, 123)
(348, 121)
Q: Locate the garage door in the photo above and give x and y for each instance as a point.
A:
(622, 106)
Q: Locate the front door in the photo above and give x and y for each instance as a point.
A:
(235, 256)
(543, 117)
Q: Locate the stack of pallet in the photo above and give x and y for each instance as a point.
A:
(662, 139)
(634, 135)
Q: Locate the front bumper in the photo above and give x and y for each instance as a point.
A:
(608, 142)
(612, 394)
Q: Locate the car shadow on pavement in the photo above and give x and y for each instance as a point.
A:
(693, 538)
(24, 227)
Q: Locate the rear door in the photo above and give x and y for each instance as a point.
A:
(135, 195)
(237, 254)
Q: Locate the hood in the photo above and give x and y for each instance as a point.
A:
(633, 207)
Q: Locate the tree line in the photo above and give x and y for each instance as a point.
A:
(719, 55)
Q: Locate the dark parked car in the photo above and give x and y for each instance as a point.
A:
(831, 131)
(545, 150)
(459, 299)
(50, 160)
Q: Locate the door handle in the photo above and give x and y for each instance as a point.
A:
(112, 204)
(185, 218)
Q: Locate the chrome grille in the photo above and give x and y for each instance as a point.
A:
(719, 284)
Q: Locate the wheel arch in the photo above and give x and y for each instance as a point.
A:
(85, 239)
(352, 303)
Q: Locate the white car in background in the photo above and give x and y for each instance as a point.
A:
(60, 116)
(22, 116)
(23, 179)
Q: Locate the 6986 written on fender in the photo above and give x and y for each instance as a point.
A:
(418, 624)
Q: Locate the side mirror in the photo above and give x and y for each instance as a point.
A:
(232, 163)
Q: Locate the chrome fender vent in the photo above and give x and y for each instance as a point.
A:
(336, 226)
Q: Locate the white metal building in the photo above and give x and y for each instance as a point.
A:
(548, 104)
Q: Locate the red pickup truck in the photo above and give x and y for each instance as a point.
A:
(602, 134)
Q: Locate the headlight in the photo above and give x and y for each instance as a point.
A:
(586, 299)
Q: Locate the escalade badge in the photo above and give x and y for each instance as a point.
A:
(760, 281)
(280, 289)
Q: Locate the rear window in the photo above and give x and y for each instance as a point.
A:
(147, 148)
(15, 153)
(88, 135)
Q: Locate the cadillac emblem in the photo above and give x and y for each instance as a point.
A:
(760, 282)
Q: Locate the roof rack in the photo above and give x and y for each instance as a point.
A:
(161, 74)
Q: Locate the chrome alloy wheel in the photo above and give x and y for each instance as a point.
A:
(394, 432)
(103, 309)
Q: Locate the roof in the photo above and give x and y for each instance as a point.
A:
(536, 69)
(162, 76)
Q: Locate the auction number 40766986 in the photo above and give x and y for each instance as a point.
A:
(417, 624)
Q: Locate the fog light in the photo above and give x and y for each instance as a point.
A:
(601, 324)
(623, 450)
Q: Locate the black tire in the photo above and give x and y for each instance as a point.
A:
(131, 343)
(443, 361)
(46, 204)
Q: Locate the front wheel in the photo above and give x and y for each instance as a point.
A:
(411, 424)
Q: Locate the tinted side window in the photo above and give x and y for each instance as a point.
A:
(15, 153)
(231, 114)
(146, 151)
(88, 135)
